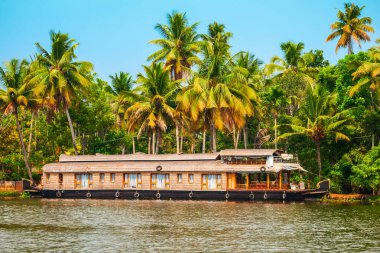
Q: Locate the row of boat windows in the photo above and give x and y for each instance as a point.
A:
(134, 180)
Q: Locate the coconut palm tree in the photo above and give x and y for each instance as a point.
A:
(121, 82)
(350, 27)
(275, 99)
(122, 85)
(16, 97)
(217, 94)
(154, 106)
(179, 45)
(368, 75)
(318, 120)
(293, 59)
(59, 77)
(247, 69)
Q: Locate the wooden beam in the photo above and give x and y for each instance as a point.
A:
(268, 181)
(280, 180)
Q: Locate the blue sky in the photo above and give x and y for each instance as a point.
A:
(114, 35)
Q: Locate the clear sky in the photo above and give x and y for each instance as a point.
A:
(114, 35)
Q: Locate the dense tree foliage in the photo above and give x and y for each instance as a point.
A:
(196, 96)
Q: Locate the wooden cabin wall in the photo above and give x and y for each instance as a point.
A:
(69, 181)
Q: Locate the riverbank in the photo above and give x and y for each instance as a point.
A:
(7, 194)
(350, 198)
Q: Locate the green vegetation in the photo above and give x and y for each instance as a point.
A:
(5, 194)
(196, 96)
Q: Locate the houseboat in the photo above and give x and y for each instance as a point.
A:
(249, 174)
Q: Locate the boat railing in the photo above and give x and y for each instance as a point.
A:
(286, 158)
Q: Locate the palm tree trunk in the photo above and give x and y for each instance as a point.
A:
(214, 140)
(318, 144)
(350, 46)
(373, 141)
(149, 144)
(234, 136)
(153, 142)
(133, 145)
(204, 141)
(30, 135)
(23, 145)
(158, 142)
(177, 136)
(181, 140)
(35, 132)
(71, 129)
(275, 131)
(237, 139)
(245, 137)
(211, 136)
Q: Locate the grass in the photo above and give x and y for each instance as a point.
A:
(4, 194)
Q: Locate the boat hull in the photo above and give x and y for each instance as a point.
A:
(240, 195)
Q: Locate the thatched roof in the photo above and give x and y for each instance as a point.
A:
(138, 157)
(249, 152)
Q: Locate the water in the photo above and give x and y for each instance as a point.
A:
(186, 226)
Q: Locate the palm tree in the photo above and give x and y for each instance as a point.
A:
(293, 58)
(350, 27)
(122, 85)
(217, 95)
(154, 105)
(275, 99)
(59, 77)
(121, 82)
(246, 68)
(16, 97)
(368, 75)
(179, 45)
(319, 120)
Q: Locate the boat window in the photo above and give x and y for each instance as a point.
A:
(112, 177)
(60, 178)
(101, 177)
(191, 178)
(179, 178)
(83, 181)
(47, 178)
(160, 181)
(211, 181)
(132, 180)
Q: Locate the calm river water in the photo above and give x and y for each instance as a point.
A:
(186, 226)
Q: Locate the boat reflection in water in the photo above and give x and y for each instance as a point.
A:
(249, 174)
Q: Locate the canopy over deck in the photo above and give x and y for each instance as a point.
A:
(250, 152)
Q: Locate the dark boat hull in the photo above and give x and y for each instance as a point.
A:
(240, 195)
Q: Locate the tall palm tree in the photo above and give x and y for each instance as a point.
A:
(350, 27)
(15, 97)
(59, 77)
(154, 106)
(319, 120)
(179, 45)
(121, 82)
(218, 95)
(293, 59)
(368, 75)
(122, 85)
(275, 99)
(247, 68)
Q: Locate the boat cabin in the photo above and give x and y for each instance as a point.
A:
(249, 169)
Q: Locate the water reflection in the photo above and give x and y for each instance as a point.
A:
(186, 226)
